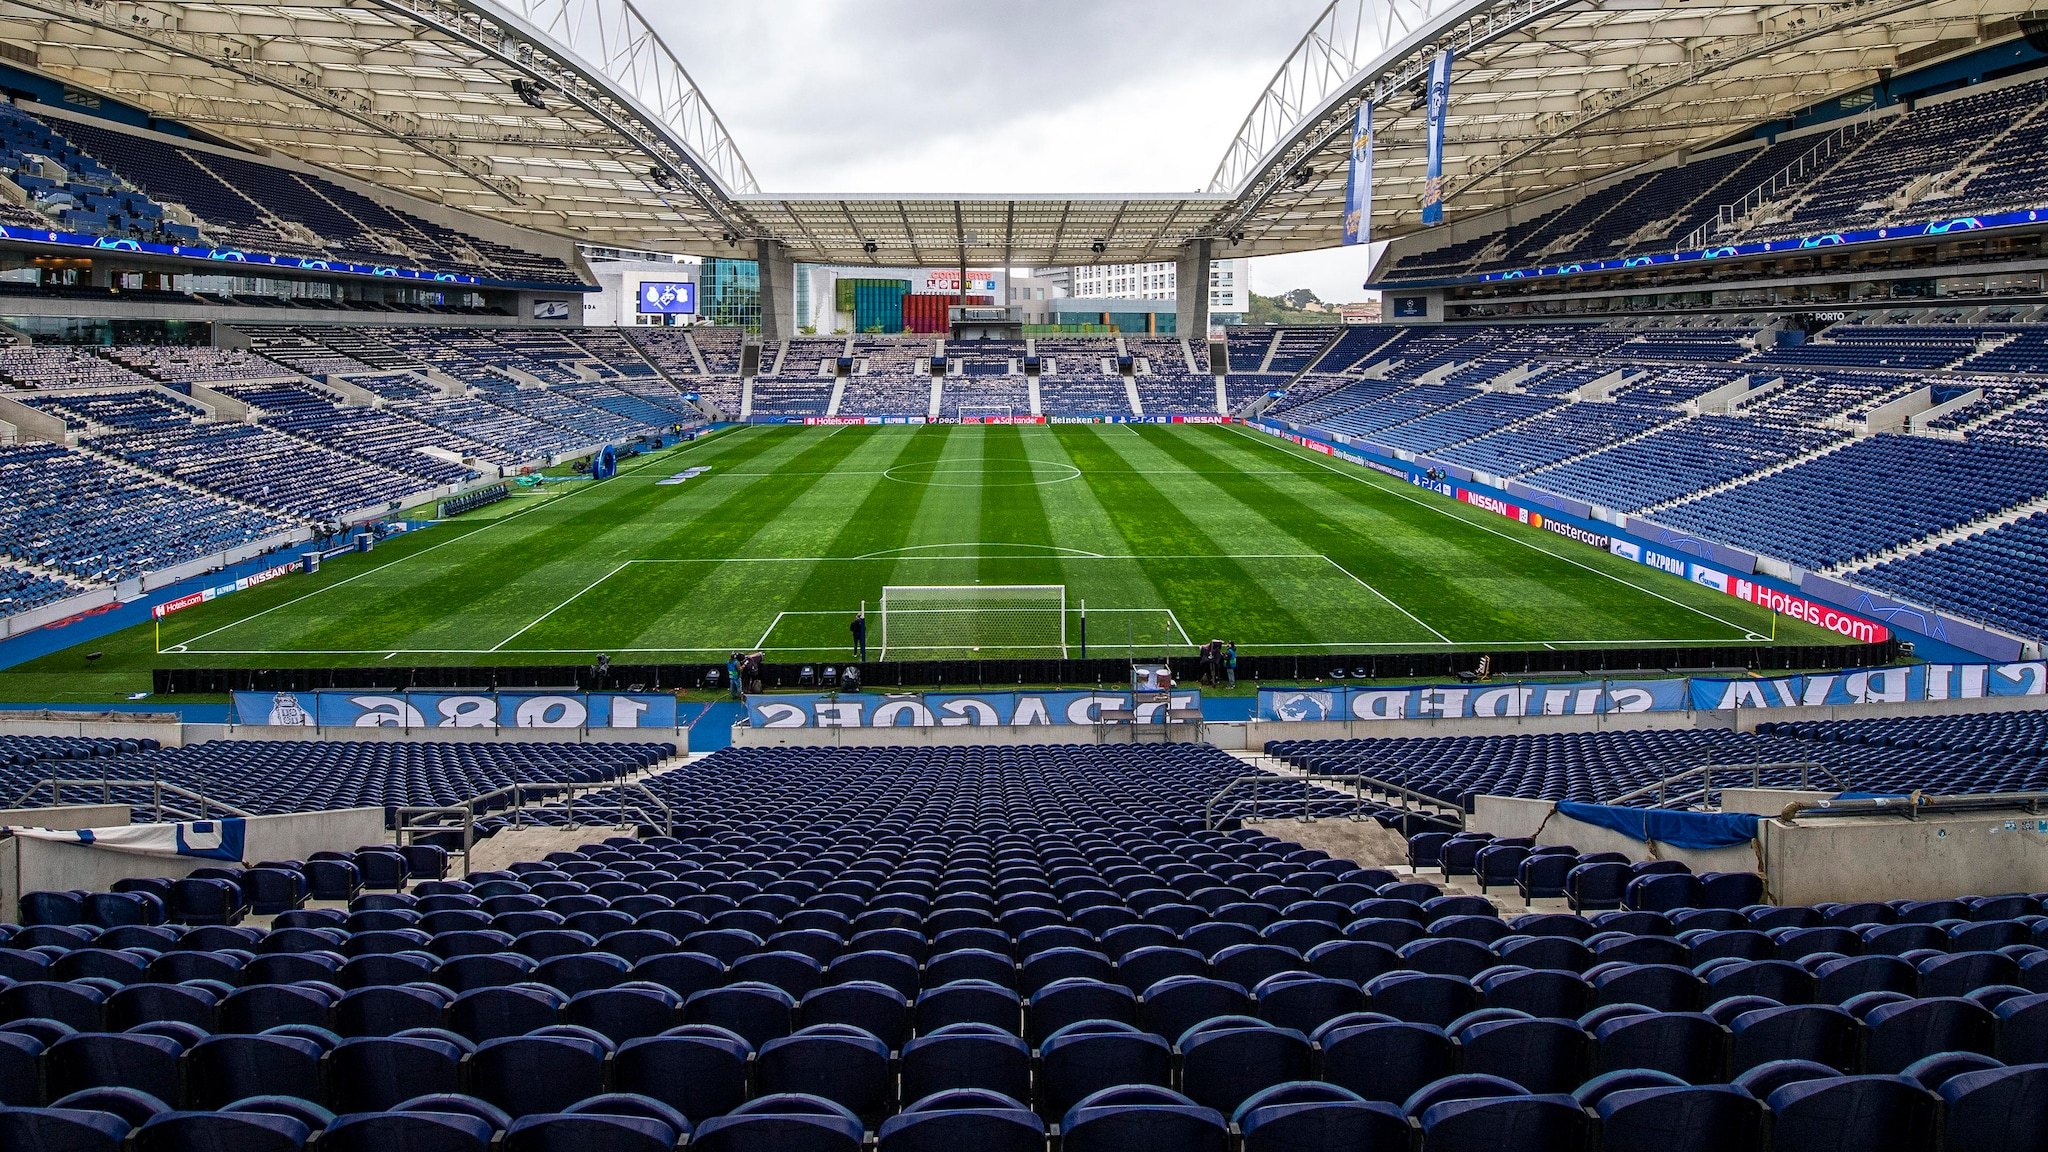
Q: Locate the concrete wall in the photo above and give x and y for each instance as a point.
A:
(680, 737)
(161, 727)
(1226, 736)
(1263, 731)
(40, 865)
(1512, 816)
(1891, 858)
(51, 613)
(68, 817)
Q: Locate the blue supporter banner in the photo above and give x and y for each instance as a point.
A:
(956, 709)
(1899, 685)
(567, 710)
(1902, 685)
(1358, 188)
(1466, 701)
(1439, 110)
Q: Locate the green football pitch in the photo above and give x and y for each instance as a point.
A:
(1166, 536)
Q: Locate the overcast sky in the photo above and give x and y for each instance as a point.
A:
(887, 96)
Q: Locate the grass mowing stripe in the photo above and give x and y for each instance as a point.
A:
(1116, 591)
(1276, 523)
(1755, 617)
(1151, 523)
(500, 584)
(880, 523)
(722, 530)
(244, 609)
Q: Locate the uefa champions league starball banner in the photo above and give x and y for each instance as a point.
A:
(1907, 684)
(455, 709)
(1438, 112)
(960, 709)
(1358, 187)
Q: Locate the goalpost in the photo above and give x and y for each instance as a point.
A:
(972, 617)
(984, 413)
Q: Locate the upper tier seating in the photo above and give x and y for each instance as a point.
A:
(1950, 157)
(244, 202)
(81, 515)
(1875, 494)
(1679, 459)
(71, 191)
(265, 468)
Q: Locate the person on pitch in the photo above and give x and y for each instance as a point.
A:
(859, 628)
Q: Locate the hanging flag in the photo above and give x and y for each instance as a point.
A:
(204, 839)
(1438, 111)
(1358, 192)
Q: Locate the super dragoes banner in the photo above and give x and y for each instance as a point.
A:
(1462, 701)
(960, 709)
(455, 709)
(1906, 684)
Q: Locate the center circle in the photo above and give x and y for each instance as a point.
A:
(937, 474)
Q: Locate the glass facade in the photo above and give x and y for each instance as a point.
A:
(730, 293)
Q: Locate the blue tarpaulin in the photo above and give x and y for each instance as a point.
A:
(1694, 830)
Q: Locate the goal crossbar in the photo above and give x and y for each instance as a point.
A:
(973, 617)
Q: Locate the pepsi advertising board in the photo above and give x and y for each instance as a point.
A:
(663, 298)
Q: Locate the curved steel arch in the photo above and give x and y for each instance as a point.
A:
(612, 43)
(1345, 45)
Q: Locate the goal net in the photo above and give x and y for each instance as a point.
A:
(932, 618)
(985, 413)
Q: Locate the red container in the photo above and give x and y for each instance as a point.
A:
(928, 313)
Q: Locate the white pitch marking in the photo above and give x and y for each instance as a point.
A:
(1344, 645)
(559, 607)
(1362, 478)
(978, 544)
(761, 645)
(488, 525)
(1390, 601)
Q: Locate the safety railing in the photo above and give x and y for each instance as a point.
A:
(164, 797)
(627, 804)
(1666, 794)
(1914, 805)
(1308, 797)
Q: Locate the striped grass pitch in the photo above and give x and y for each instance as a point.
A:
(1170, 535)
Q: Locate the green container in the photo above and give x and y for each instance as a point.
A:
(878, 305)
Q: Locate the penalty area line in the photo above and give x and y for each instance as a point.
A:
(1391, 602)
(559, 607)
(1366, 478)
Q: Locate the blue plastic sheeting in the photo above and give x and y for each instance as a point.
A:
(1694, 830)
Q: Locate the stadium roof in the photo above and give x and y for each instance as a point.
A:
(572, 117)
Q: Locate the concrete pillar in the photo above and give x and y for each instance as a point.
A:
(1191, 301)
(778, 292)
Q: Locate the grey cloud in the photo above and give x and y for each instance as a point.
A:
(872, 96)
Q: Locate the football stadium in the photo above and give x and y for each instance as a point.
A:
(517, 637)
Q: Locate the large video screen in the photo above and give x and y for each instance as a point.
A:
(666, 299)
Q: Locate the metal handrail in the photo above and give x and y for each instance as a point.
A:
(1661, 789)
(1914, 804)
(208, 808)
(522, 796)
(407, 827)
(1307, 803)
